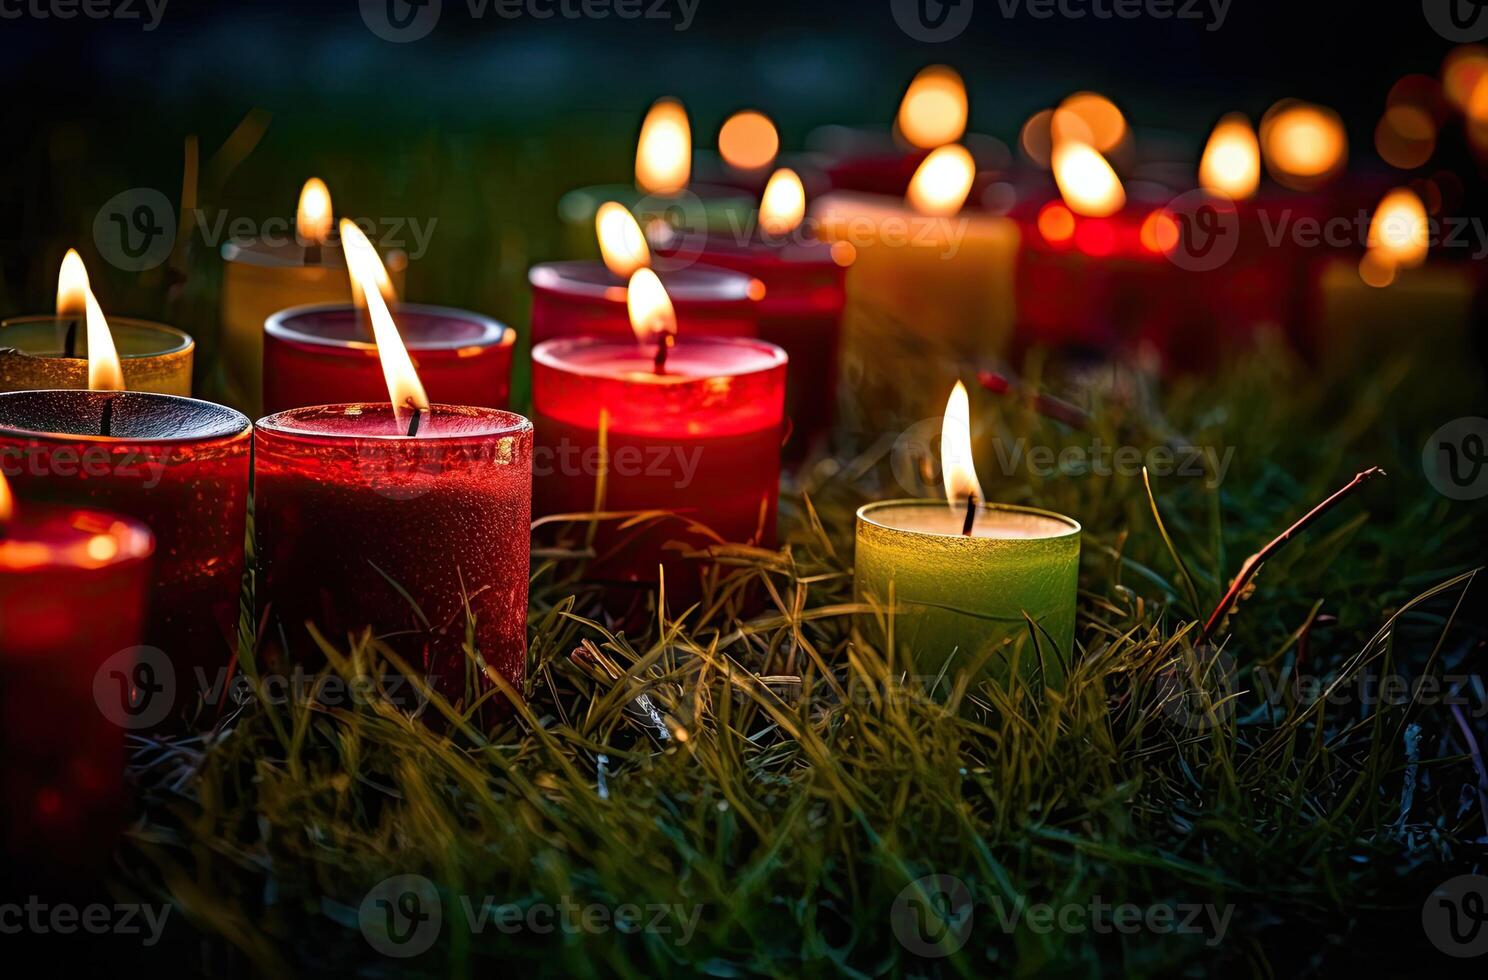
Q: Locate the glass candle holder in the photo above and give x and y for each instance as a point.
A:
(701, 442)
(584, 299)
(695, 211)
(360, 526)
(262, 277)
(177, 465)
(33, 354)
(72, 597)
(321, 355)
(954, 600)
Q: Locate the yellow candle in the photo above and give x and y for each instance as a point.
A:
(33, 356)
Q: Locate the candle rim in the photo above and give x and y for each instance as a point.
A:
(1072, 527)
(221, 433)
(730, 289)
(581, 203)
(184, 341)
(511, 424)
(290, 254)
(546, 354)
(495, 334)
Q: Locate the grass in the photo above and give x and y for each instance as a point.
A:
(672, 768)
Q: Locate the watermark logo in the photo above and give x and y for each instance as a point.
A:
(1455, 916)
(1208, 231)
(1199, 693)
(135, 229)
(401, 916)
(1461, 21)
(147, 12)
(40, 918)
(135, 688)
(932, 916)
(932, 21)
(401, 21)
(1456, 458)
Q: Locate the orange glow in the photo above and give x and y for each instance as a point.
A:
(1232, 159)
(101, 548)
(105, 373)
(1159, 232)
(1086, 117)
(72, 286)
(1464, 68)
(621, 242)
(384, 282)
(748, 140)
(1405, 137)
(1400, 233)
(1086, 181)
(956, 464)
(934, 108)
(652, 316)
(844, 253)
(1304, 145)
(405, 390)
(1037, 137)
(664, 150)
(7, 501)
(1376, 270)
(313, 217)
(941, 184)
(1056, 223)
(783, 205)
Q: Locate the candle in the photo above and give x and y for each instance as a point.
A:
(72, 596)
(801, 311)
(930, 282)
(52, 352)
(264, 275)
(325, 354)
(587, 299)
(663, 197)
(958, 582)
(396, 517)
(932, 113)
(686, 425)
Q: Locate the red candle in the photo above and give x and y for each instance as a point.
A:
(691, 427)
(325, 354)
(801, 311)
(72, 596)
(179, 466)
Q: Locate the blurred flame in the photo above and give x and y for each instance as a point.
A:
(101, 548)
(783, 204)
(1089, 118)
(1086, 181)
(1159, 232)
(1304, 145)
(941, 184)
(955, 450)
(1463, 69)
(313, 217)
(748, 140)
(7, 501)
(651, 314)
(105, 373)
(384, 281)
(934, 108)
(1232, 159)
(1400, 233)
(1405, 137)
(72, 286)
(664, 150)
(621, 242)
(405, 390)
(1037, 137)
(1056, 223)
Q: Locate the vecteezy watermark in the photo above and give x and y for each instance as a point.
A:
(403, 916)
(402, 21)
(1455, 458)
(673, 464)
(146, 12)
(41, 918)
(1455, 916)
(932, 916)
(1440, 232)
(1205, 229)
(1206, 920)
(1460, 21)
(932, 21)
(93, 462)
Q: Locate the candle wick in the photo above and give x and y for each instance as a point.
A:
(971, 512)
(312, 253)
(663, 345)
(106, 424)
(69, 343)
(413, 423)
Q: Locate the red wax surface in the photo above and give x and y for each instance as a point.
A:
(801, 313)
(584, 299)
(701, 441)
(324, 354)
(72, 595)
(346, 505)
(177, 465)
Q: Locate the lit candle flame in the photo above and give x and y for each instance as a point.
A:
(664, 151)
(1304, 145)
(7, 501)
(384, 283)
(313, 217)
(404, 388)
(652, 315)
(1089, 118)
(956, 465)
(621, 241)
(1232, 159)
(934, 108)
(941, 184)
(105, 373)
(72, 286)
(1399, 237)
(783, 204)
(1086, 181)
(748, 140)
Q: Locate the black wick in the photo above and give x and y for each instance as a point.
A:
(413, 423)
(69, 342)
(971, 512)
(663, 345)
(106, 424)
